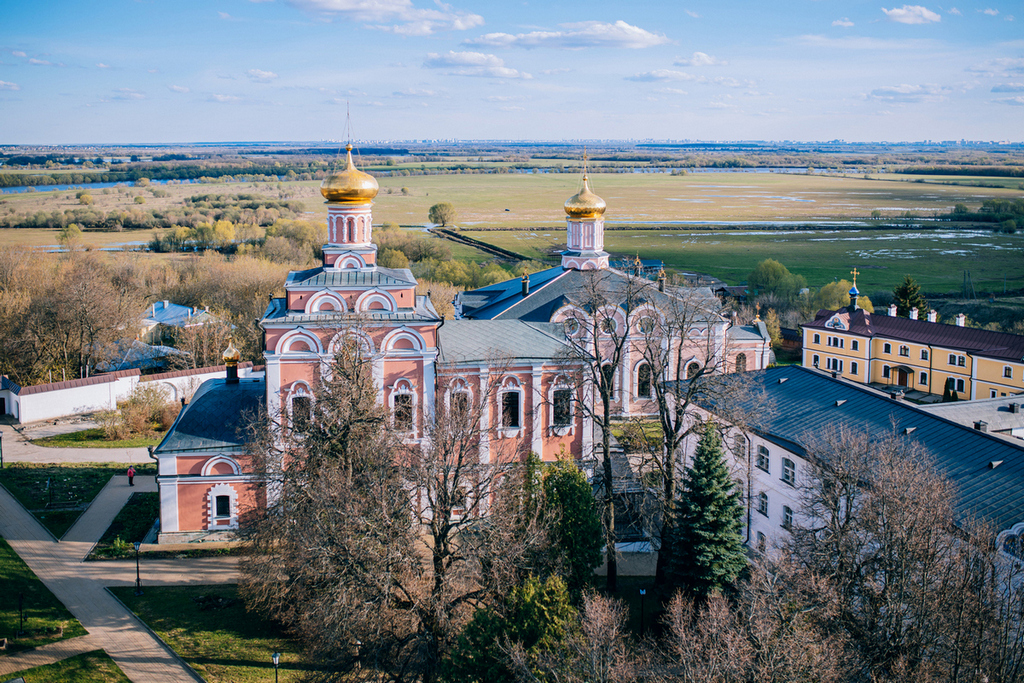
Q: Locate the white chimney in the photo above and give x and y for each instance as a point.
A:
(892, 310)
(933, 316)
(961, 319)
(166, 304)
(913, 314)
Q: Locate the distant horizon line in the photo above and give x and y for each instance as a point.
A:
(535, 141)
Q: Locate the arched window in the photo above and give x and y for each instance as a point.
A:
(403, 406)
(741, 362)
(302, 411)
(608, 372)
(643, 381)
(692, 370)
(510, 403)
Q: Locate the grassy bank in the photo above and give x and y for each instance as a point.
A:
(210, 629)
(44, 613)
(72, 486)
(94, 438)
(90, 667)
(130, 526)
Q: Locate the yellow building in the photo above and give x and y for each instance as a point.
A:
(913, 354)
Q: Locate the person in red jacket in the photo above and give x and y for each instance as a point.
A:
(131, 475)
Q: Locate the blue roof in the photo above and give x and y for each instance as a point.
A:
(176, 315)
(216, 418)
(803, 404)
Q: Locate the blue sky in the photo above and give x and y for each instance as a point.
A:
(151, 71)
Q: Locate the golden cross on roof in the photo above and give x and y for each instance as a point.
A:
(854, 273)
(758, 316)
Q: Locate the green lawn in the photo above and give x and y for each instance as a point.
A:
(131, 525)
(224, 644)
(44, 613)
(91, 667)
(35, 485)
(936, 258)
(94, 438)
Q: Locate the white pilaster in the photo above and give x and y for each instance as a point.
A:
(537, 443)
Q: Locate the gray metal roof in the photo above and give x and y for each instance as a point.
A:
(552, 288)
(278, 313)
(468, 341)
(995, 411)
(215, 418)
(329, 277)
(806, 403)
(747, 331)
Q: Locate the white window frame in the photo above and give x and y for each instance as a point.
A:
(510, 385)
(787, 517)
(959, 385)
(1007, 372)
(887, 348)
(404, 387)
(854, 345)
(923, 379)
(636, 381)
(764, 456)
(788, 472)
(762, 503)
(854, 368)
(560, 384)
(299, 389)
(211, 499)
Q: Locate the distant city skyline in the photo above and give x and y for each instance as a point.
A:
(131, 71)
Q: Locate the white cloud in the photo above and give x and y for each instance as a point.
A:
(19, 53)
(954, 10)
(397, 16)
(101, 65)
(673, 91)
(700, 59)
(1015, 101)
(692, 13)
(40, 62)
(1003, 66)
(559, 70)
(991, 12)
(1009, 17)
(128, 94)
(413, 92)
(912, 14)
(576, 36)
(6, 85)
(907, 93)
(733, 83)
(845, 22)
(225, 16)
(261, 76)
(472, 64)
(859, 43)
(177, 88)
(662, 75)
(225, 98)
(1009, 87)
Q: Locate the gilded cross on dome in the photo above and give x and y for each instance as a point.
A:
(854, 273)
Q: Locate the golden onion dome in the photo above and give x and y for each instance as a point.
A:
(351, 185)
(584, 204)
(231, 354)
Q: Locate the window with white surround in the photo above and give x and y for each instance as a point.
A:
(762, 542)
(816, 360)
(787, 517)
(762, 503)
(924, 354)
(961, 361)
(817, 339)
(960, 385)
(885, 371)
(789, 471)
(1008, 372)
(924, 379)
(837, 342)
(887, 348)
(905, 351)
(834, 364)
(223, 507)
(510, 399)
(952, 359)
(763, 458)
(991, 393)
(854, 345)
(854, 369)
(403, 406)
(643, 381)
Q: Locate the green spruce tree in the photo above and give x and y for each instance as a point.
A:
(907, 295)
(709, 552)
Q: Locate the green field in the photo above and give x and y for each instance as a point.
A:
(223, 642)
(935, 258)
(44, 613)
(91, 667)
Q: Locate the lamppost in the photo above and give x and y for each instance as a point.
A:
(276, 658)
(138, 578)
(643, 592)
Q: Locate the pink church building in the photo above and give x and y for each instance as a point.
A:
(512, 336)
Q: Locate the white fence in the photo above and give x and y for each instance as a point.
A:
(101, 392)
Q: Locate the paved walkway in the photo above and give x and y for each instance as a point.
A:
(18, 449)
(80, 586)
(46, 654)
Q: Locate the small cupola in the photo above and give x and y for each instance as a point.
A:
(231, 357)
